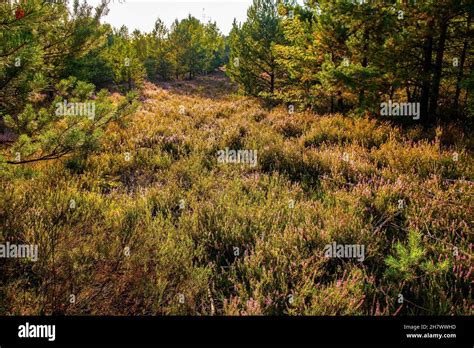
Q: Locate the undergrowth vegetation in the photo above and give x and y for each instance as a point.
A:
(150, 223)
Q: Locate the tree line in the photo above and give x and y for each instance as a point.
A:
(352, 55)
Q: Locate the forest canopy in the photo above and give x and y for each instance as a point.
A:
(329, 57)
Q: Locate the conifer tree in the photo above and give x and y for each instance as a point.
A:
(252, 61)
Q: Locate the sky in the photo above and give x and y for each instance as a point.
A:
(142, 14)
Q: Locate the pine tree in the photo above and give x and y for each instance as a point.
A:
(122, 57)
(252, 60)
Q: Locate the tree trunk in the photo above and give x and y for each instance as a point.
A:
(365, 63)
(425, 89)
(272, 82)
(438, 67)
(461, 66)
(340, 102)
(409, 95)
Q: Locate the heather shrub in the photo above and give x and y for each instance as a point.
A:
(150, 222)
